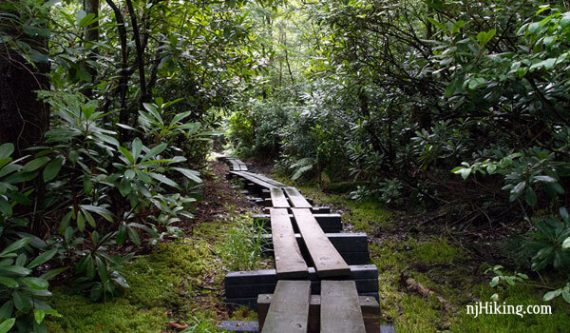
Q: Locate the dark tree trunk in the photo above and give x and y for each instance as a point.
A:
(23, 118)
(91, 39)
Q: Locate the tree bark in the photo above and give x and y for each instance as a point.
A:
(90, 40)
(124, 74)
(23, 117)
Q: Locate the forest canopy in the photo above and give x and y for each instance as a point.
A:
(110, 109)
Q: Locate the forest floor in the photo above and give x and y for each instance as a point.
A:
(426, 278)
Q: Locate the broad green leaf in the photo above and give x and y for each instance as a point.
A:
(35, 283)
(163, 179)
(137, 147)
(101, 211)
(16, 270)
(127, 154)
(7, 325)
(155, 151)
(15, 246)
(5, 207)
(52, 169)
(464, 172)
(545, 179)
(190, 174)
(42, 258)
(35, 164)
(9, 282)
(6, 150)
(39, 315)
(80, 222)
(6, 310)
(53, 273)
(549, 296)
(485, 36)
(517, 190)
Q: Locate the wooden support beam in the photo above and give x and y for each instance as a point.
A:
(353, 247)
(328, 222)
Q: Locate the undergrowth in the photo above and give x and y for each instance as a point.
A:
(439, 264)
(180, 281)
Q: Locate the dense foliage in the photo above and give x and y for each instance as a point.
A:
(130, 86)
(108, 108)
(460, 106)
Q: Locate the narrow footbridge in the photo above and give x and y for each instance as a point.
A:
(323, 280)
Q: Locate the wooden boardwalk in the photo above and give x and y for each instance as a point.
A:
(312, 288)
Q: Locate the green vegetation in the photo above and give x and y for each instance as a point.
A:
(447, 270)
(179, 281)
(444, 121)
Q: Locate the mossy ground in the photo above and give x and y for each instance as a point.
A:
(441, 265)
(180, 281)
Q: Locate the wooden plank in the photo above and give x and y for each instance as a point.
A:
(278, 199)
(266, 179)
(297, 200)
(368, 305)
(340, 308)
(234, 165)
(326, 259)
(258, 182)
(289, 262)
(289, 311)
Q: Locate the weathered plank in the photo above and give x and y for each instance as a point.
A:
(297, 200)
(252, 179)
(266, 179)
(368, 305)
(289, 262)
(278, 199)
(289, 311)
(234, 165)
(340, 308)
(326, 259)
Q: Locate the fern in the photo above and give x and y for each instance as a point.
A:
(302, 166)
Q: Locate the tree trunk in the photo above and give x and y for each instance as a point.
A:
(91, 39)
(23, 118)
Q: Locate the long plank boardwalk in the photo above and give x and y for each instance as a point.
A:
(314, 289)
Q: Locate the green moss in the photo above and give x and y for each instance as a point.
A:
(518, 295)
(436, 251)
(443, 268)
(80, 315)
(163, 287)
